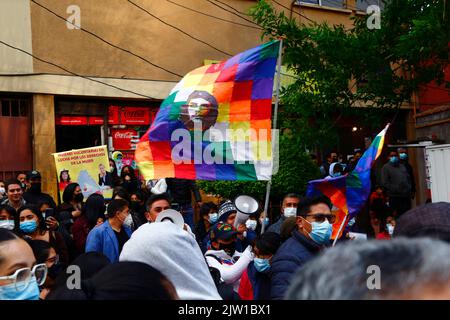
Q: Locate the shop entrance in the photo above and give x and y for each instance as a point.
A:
(77, 137)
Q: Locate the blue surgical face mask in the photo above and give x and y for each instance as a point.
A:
(403, 156)
(336, 174)
(321, 232)
(28, 226)
(213, 217)
(31, 292)
(393, 159)
(261, 265)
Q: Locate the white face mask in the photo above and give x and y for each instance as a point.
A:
(390, 229)
(2, 190)
(290, 212)
(251, 224)
(7, 224)
(128, 222)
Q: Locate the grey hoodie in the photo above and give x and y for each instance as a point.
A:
(395, 179)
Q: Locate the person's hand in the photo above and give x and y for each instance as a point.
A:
(76, 213)
(52, 223)
(241, 228)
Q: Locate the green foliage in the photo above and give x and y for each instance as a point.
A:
(335, 68)
(385, 65)
(296, 169)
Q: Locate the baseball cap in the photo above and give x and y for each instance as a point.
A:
(34, 174)
(222, 231)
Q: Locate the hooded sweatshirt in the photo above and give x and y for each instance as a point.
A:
(330, 171)
(173, 251)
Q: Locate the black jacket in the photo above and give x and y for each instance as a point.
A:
(180, 190)
(37, 198)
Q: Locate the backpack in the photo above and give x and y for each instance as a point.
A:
(225, 290)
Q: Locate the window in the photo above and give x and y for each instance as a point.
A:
(14, 108)
(362, 5)
(327, 3)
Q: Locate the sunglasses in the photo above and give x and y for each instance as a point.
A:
(21, 278)
(320, 217)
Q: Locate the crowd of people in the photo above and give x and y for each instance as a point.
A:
(123, 251)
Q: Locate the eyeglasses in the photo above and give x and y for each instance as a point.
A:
(320, 217)
(54, 259)
(21, 278)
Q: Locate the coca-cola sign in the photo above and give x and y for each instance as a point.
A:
(135, 115)
(122, 138)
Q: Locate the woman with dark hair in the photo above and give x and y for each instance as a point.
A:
(29, 223)
(89, 264)
(7, 215)
(129, 180)
(64, 179)
(45, 253)
(20, 276)
(120, 193)
(255, 281)
(114, 173)
(137, 209)
(92, 214)
(208, 217)
(70, 209)
(121, 281)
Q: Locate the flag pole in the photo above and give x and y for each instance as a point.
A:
(274, 126)
(340, 229)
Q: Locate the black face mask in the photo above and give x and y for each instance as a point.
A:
(79, 197)
(35, 188)
(135, 206)
(55, 270)
(228, 248)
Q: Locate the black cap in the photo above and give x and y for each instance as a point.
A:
(34, 174)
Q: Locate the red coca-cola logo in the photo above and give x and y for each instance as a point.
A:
(124, 135)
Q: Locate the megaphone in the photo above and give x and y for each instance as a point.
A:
(245, 206)
(172, 216)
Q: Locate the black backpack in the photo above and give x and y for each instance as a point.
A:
(225, 290)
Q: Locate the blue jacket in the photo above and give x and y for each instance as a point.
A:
(260, 282)
(292, 254)
(103, 239)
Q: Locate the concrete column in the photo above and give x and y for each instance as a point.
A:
(44, 142)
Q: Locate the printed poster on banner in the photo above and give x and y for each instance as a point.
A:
(88, 167)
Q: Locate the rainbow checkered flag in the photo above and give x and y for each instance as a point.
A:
(216, 122)
(349, 193)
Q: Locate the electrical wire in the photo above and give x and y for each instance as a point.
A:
(106, 41)
(233, 13)
(71, 72)
(214, 17)
(302, 15)
(178, 29)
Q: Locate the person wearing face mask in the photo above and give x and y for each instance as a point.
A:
(288, 209)
(34, 194)
(7, 215)
(137, 209)
(255, 281)
(313, 233)
(109, 237)
(336, 170)
(222, 255)
(209, 217)
(46, 254)
(30, 224)
(397, 183)
(2, 190)
(20, 276)
(325, 168)
(403, 157)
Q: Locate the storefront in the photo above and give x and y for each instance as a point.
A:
(81, 124)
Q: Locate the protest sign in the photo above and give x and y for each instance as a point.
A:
(88, 167)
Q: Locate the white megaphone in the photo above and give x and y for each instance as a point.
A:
(245, 206)
(172, 216)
